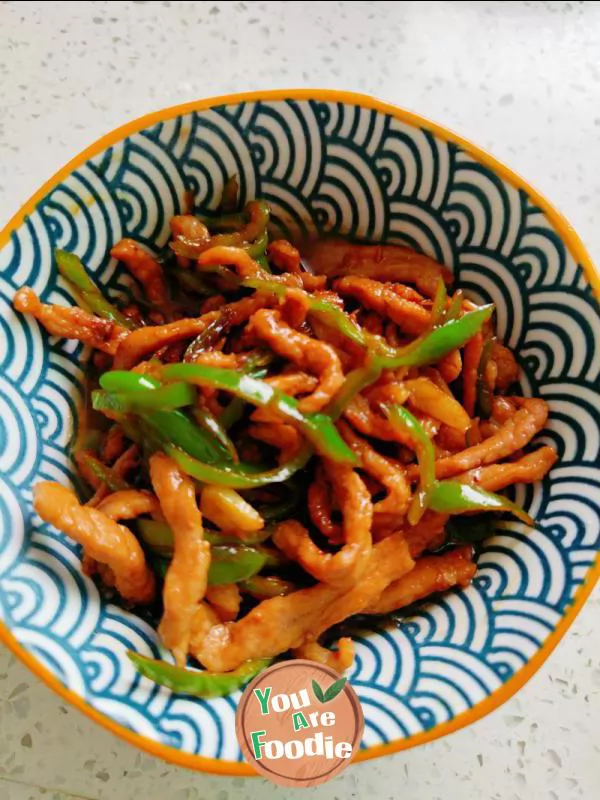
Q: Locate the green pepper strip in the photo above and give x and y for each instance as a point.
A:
(452, 497)
(402, 419)
(212, 333)
(330, 315)
(439, 303)
(255, 366)
(145, 395)
(229, 563)
(355, 382)
(258, 247)
(235, 410)
(166, 427)
(188, 248)
(174, 433)
(225, 222)
(103, 473)
(273, 558)
(121, 380)
(177, 428)
(196, 682)
(263, 587)
(335, 318)
(454, 309)
(243, 476)
(109, 404)
(256, 360)
(427, 349)
(158, 431)
(175, 395)
(208, 338)
(445, 497)
(432, 346)
(263, 262)
(209, 423)
(317, 427)
(257, 213)
(250, 538)
(159, 536)
(229, 198)
(87, 293)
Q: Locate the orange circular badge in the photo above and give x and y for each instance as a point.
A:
(299, 724)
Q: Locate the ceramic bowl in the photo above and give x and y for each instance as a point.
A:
(325, 161)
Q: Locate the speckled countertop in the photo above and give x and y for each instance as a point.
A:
(522, 79)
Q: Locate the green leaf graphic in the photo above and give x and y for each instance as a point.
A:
(334, 689)
(330, 693)
(318, 692)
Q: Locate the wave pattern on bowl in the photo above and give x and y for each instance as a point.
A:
(323, 167)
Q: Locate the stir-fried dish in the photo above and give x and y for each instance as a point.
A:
(276, 441)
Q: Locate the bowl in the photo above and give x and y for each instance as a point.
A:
(325, 161)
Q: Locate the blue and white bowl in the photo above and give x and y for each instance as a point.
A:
(325, 161)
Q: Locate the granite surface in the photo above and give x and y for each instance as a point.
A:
(521, 79)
